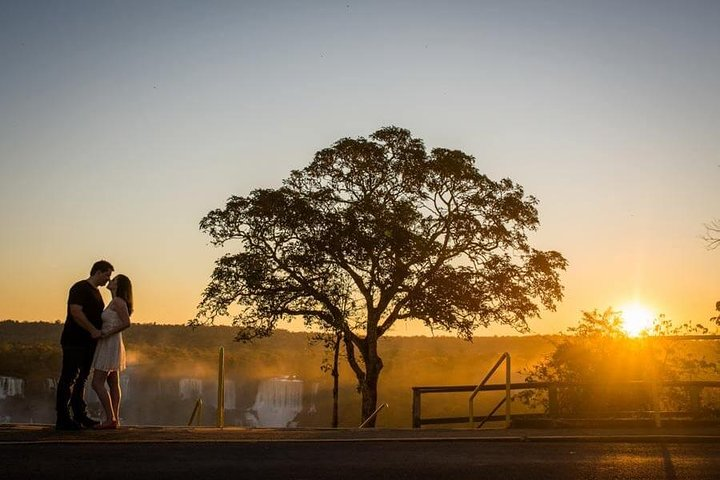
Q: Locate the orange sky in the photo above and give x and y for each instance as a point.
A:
(124, 124)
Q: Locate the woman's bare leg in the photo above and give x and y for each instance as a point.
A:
(98, 384)
(113, 381)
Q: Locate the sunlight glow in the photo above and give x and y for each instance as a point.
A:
(637, 319)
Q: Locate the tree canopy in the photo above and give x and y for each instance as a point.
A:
(376, 231)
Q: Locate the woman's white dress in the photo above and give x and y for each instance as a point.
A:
(110, 351)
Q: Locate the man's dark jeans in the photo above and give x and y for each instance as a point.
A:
(76, 364)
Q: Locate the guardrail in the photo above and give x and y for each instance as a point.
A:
(694, 389)
(505, 357)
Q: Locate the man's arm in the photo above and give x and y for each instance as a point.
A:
(79, 316)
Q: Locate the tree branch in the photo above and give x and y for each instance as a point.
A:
(712, 234)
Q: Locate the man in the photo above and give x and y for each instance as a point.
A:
(79, 336)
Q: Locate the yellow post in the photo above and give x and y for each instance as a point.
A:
(221, 390)
(508, 381)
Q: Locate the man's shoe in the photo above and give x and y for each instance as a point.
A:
(67, 425)
(88, 422)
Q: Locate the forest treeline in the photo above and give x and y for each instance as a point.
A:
(597, 351)
(31, 350)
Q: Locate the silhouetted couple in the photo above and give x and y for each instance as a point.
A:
(91, 341)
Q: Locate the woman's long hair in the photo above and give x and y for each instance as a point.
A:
(124, 291)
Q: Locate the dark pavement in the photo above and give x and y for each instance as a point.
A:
(177, 452)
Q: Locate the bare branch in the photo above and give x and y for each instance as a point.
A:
(712, 234)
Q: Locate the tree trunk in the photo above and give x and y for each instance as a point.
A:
(368, 388)
(367, 377)
(336, 376)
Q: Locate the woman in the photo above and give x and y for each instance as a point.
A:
(109, 358)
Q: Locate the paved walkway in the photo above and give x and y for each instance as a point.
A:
(14, 434)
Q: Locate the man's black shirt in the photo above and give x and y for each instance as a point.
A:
(84, 294)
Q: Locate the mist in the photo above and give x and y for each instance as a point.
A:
(171, 367)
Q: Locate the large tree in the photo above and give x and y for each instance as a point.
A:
(377, 231)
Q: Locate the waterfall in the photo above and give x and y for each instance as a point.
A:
(190, 388)
(313, 409)
(278, 402)
(11, 387)
(50, 385)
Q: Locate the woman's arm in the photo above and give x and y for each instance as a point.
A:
(121, 309)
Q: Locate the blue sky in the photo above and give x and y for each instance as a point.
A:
(123, 123)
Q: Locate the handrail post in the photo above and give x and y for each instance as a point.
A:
(221, 390)
(471, 413)
(416, 409)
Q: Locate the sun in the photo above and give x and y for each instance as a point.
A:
(636, 319)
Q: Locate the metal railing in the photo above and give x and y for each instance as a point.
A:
(505, 357)
(693, 388)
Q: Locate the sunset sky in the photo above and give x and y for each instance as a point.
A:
(122, 123)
